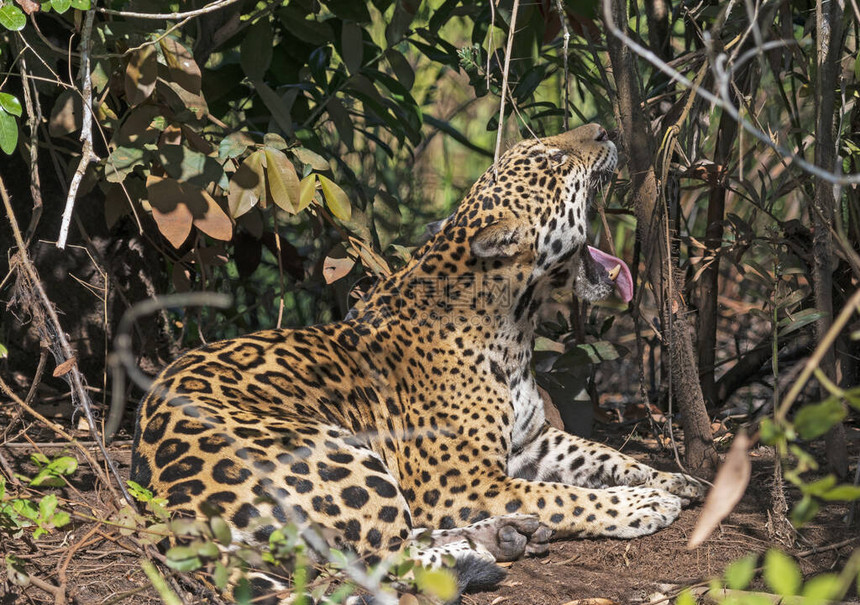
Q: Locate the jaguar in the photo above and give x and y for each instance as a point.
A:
(420, 411)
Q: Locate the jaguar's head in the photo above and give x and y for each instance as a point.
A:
(531, 213)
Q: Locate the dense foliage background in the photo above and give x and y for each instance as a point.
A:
(288, 153)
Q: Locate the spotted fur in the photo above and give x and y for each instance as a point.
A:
(421, 410)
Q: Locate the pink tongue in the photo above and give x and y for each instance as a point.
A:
(624, 282)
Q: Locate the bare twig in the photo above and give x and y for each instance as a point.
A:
(87, 154)
(562, 16)
(508, 50)
(34, 118)
(209, 8)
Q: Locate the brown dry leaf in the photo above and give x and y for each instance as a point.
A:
(28, 6)
(729, 487)
(208, 215)
(171, 214)
(181, 65)
(597, 601)
(177, 206)
(65, 367)
(550, 411)
(335, 268)
(140, 75)
(408, 599)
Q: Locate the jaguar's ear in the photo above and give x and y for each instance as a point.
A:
(502, 239)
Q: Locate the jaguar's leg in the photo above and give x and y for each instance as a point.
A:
(564, 458)
(322, 478)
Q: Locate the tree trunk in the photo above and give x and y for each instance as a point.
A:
(828, 22)
(709, 280)
(652, 227)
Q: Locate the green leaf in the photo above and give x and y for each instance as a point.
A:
(844, 493)
(10, 104)
(816, 419)
(799, 320)
(335, 198)
(256, 50)
(8, 133)
(64, 465)
(350, 10)
(12, 17)
(438, 582)
(208, 550)
(122, 161)
(278, 105)
(804, 511)
(591, 353)
(822, 589)
(404, 12)
(26, 509)
(282, 180)
(60, 519)
(47, 506)
(183, 558)
(819, 486)
(46, 478)
(342, 122)
(307, 189)
(4, 352)
(189, 166)
(740, 573)
(781, 573)
(221, 530)
(685, 598)
(61, 6)
(221, 575)
(248, 185)
(234, 145)
(311, 158)
(401, 68)
(352, 47)
(81, 5)
(138, 492)
(275, 141)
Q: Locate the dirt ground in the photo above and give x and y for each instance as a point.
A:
(96, 564)
(649, 569)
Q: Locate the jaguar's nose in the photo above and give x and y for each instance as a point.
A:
(602, 135)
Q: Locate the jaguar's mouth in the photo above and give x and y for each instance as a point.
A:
(616, 270)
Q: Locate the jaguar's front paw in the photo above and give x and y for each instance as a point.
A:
(686, 487)
(641, 511)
